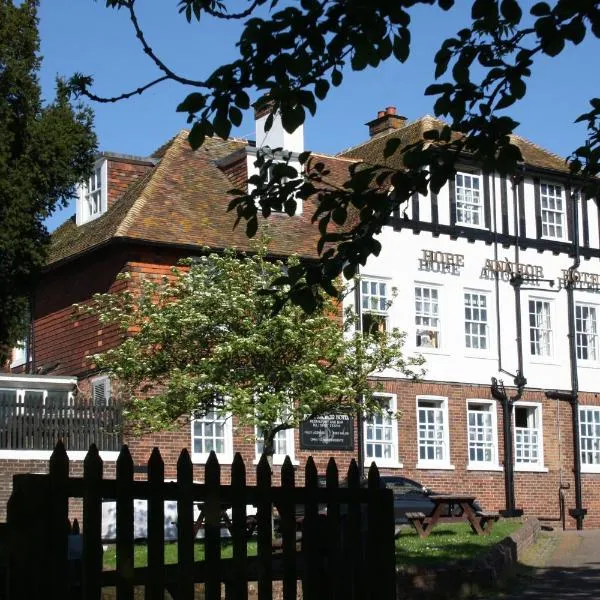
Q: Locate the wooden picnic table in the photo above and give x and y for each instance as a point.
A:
(224, 520)
(444, 512)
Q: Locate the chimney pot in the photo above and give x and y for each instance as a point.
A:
(387, 120)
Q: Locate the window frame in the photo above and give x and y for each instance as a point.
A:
(541, 358)
(290, 443)
(444, 463)
(494, 464)
(468, 208)
(588, 467)
(478, 352)
(83, 214)
(538, 466)
(394, 461)
(377, 313)
(587, 361)
(225, 457)
(440, 317)
(563, 212)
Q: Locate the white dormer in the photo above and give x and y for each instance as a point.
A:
(92, 195)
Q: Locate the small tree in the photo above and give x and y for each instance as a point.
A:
(207, 338)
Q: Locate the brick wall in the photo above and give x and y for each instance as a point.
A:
(121, 174)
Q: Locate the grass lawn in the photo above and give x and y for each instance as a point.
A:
(448, 542)
(140, 553)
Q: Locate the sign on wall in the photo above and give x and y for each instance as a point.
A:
(441, 262)
(327, 432)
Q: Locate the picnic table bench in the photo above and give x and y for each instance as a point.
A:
(481, 522)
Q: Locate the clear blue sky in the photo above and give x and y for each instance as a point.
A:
(85, 36)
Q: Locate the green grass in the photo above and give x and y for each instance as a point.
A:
(140, 553)
(448, 543)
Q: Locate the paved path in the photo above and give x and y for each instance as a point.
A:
(571, 571)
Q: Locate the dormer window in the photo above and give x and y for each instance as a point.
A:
(92, 201)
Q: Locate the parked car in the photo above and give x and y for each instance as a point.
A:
(411, 496)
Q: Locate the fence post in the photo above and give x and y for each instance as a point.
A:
(185, 526)
(333, 529)
(265, 534)
(288, 530)
(155, 586)
(375, 529)
(212, 528)
(92, 525)
(238, 587)
(124, 489)
(58, 526)
(312, 552)
(354, 542)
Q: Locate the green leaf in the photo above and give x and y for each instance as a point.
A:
(391, 146)
(242, 100)
(192, 103)
(540, 9)
(336, 78)
(321, 89)
(235, 116)
(196, 136)
(511, 10)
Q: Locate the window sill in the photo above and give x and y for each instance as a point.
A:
(278, 461)
(482, 356)
(471, 226)
(530, 469)
(78, 455)
(588, 364)
(547, 361)
(201, 459)
(384, 464)
(590, 469)
(432, 351)
(435, 466)
(17, 363)
(484, 467)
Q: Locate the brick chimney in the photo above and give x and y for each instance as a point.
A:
(387, 120)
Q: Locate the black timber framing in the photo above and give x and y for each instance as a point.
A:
(473, 234)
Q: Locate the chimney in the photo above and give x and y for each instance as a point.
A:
(387, 120)
(277, 136)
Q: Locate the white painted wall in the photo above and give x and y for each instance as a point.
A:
(398, 262)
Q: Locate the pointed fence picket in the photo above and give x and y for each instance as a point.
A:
(345, 552)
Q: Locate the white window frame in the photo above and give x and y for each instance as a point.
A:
(19, 354)
(83, 213)
(444, 463)
(469, 200)
(550, 330)
(101, 379)
(225, 457)
(594, 438)
(488, 335)
(424, 328)
(391, 421)
(493, 464)
(377, 311)
(549, 213)
(593, 336)
(538, 466)
(278, 458)
(20, 398)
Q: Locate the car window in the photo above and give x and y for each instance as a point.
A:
(403, 486)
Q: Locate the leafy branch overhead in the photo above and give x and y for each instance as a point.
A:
(206, 339)
(294, 53)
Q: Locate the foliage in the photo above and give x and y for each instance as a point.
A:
(206, 339)
(44, 151)
(293, 53)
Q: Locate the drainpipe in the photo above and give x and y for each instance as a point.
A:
(360, 452)
(497, 388)
(578, 513)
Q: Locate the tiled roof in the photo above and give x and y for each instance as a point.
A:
(371, 151)
(183, 201)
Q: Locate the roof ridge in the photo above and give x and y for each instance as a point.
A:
(139, 202)
(541, 148)
(393, 131)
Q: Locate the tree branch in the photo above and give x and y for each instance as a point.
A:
(124, 96)
(148, 50)
(240, 15)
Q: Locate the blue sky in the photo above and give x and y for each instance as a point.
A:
(85, 36)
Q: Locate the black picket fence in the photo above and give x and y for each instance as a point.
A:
(345, 552)
(30, 426)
